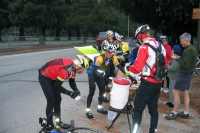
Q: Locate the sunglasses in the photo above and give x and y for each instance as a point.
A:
(111, 52)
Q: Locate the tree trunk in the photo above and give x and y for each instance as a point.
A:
(78, 34)
(21, 34)
(69, 35)
(84, 37)
(41, 36)
(58, 34)
(0, 36)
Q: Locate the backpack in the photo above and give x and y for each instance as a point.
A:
(161, 70)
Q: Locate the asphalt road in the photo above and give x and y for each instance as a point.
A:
(22, 100)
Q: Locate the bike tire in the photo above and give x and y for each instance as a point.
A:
(198, 68)
(84, 130)
(198, 65)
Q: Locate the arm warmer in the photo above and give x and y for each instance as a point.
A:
(121, 69)
(58, 86)
(72, 84)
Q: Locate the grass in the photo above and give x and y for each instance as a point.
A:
(46, 38)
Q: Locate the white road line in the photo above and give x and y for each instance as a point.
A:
(33, 53)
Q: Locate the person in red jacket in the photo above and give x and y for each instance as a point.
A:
(51, 77)
(149, 88)
(168, 50)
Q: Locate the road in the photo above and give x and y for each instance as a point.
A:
(22, 101)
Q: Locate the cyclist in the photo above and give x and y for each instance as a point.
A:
(123, 50)
(149, 89)
(51, 77)
(115, 39)
(96, 74)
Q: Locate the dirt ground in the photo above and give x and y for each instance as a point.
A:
(194, 96)
(194, 87)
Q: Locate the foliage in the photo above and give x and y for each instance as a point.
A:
(4, 12)
(170, 17)
(88, 16)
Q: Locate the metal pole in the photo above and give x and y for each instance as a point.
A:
(8, 41)
(128, 28)
(62, 40)
(49, 40)
(31, 41)
(198, 34)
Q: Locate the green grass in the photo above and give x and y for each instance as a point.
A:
(47, 38)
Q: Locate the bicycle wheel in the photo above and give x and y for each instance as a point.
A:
(198, 68)
(84, 130)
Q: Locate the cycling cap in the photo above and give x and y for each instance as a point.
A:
(109, 47)
(117, 37)
(143, 31)
(81, 61)
(109, 33)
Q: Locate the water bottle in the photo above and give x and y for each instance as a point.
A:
(111, 115)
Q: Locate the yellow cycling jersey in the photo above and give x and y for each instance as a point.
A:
(125, 47)
(104, 62)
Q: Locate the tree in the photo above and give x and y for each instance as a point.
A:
(4, 12)
(39, 13)
(170, 17)
(90, 16)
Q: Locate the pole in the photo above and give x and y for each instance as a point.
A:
(128, 28)
(198, 34)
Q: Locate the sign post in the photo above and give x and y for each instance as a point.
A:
(196, 15)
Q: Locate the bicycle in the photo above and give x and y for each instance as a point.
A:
(72, 129)
(198, 65)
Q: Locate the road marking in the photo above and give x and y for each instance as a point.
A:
(35, 52)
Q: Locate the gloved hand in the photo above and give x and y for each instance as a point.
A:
(126, 69)
(72, 94)
(110, 80)
(133, 80)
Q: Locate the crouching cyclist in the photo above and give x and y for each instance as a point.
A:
(51, 77)
(96, 74)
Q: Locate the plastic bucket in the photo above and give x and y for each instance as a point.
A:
(119, 93)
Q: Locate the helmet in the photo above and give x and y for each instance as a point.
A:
(117, 37)
(109, 33)
(144, 29)
(81, 61)
(163, 37)
(122, 37)
(109, 47)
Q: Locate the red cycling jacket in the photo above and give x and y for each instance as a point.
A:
(168, 50)
(146, 55)
(60, 69)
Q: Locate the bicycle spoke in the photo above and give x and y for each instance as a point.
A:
(84, 130)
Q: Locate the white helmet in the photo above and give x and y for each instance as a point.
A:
(109, 33)
(163, 37)
(144, 29)
(109, 47)
(117, 36)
